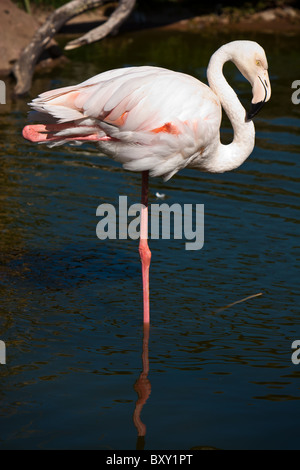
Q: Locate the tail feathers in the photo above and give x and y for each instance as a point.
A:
(60, 113)
(60, 105)
(66, 96)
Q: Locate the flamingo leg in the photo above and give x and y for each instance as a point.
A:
(145, 253)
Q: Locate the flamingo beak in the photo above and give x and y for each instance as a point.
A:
(261, 94)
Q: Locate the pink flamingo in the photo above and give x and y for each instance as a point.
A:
(157, 121)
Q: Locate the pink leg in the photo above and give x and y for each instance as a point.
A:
(144, 250)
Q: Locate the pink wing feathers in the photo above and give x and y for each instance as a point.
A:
(148, 118)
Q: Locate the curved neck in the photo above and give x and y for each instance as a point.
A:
(231, 156)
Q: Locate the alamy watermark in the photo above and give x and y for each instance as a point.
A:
(188, 222)
(296, 95)
(2, 92)
(2, 352)
(296, 353)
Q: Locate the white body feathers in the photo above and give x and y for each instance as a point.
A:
(150, 118)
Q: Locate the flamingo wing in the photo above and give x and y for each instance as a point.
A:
(148, 118)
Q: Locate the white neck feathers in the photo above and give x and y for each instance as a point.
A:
(231, 156)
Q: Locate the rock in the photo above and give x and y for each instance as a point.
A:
(17, 28)
(268, 15)
(288, 12)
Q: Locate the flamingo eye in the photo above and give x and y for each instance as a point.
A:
(258, 63)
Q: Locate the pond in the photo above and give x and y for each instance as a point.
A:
(214, 370)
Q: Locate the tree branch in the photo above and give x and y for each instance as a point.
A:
(114, 21)
(24, 67)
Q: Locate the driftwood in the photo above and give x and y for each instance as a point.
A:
(24, 67)
(112, 24)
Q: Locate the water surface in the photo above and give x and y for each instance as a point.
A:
(71, 304)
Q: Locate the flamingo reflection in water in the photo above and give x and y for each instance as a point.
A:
(143, 389)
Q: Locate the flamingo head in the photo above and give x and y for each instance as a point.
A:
(250, 58)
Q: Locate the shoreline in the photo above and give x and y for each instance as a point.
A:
(276, 20)
(284, 21)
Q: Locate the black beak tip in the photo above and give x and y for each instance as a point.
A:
(255, 108)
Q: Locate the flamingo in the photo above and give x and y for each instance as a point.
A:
(157, 121)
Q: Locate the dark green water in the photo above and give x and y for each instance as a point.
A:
(71, 306)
